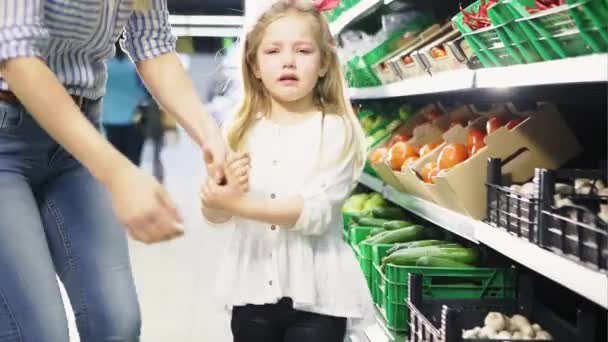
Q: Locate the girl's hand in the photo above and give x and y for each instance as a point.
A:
(238, 165)
(220, 197)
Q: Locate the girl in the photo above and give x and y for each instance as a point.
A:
(288, 276)
(60, 179)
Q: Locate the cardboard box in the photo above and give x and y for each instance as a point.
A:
(426, 134)
(542, 140)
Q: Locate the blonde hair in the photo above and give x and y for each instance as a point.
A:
(329, 94)
(141, 5)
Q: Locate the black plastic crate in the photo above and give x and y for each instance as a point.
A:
(509, 209)
(574, 229)
(443, 320)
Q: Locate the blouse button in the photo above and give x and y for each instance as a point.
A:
(273, 227)
(273, 196)
(270, 283)
(275, 162)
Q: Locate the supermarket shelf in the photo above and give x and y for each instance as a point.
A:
(582, 280)
(446, 81)
(588, 283)
(452, 221)
(585, 69)
(364, 6)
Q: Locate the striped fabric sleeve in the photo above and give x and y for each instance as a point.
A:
(148, 33)
(22, 33)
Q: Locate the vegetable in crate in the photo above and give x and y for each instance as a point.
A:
(409, 257)
(389, 213)
(371, 222)
(401, 235)
(475, 141)
(378, 155)
(431, 261)
(451, 155)
(397, 224)
(415, 244)
(499, 326)
(399, 153)
(541, 5)
(478, 20)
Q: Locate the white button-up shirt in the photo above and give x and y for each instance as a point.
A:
(308, 262)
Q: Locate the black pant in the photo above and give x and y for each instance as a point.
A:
(281, 323)
(128, 139)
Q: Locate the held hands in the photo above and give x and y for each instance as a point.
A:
(226, 196)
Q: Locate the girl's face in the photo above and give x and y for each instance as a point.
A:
(289, 58)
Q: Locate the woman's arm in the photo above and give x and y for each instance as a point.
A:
(168, 82)
(151, 45)
(150, 218)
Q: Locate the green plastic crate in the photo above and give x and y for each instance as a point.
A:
(376, 286)
(396, 316)
(474, 282)
(358, 234)
(438, 282)
(502, 44)
(578, 28)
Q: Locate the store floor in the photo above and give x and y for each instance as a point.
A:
(174, 279)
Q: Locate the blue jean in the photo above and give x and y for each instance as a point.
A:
(56, 219)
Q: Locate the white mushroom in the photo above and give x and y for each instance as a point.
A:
(487, 332)
(503, 335)
(585, 189)
(536, 327)
(471, 334)
(563, 189)
(578, 182)
(543, 335)
(517, 335)
(518, 321)
(599, 184)
(528, 189)
(496, 321)
(527, 331)
(515, 187)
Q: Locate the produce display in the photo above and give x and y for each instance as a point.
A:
(500, 327)
(436, 152)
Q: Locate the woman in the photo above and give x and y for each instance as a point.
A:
(60, 178)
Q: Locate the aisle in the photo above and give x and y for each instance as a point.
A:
(174, 279)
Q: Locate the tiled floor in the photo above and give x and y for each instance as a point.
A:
(174, 279)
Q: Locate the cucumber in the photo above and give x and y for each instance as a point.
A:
(416, 244)
(399, 246)
(450, 245)
(426, 243)
(371, 222)
(372, 238)
(431, 261)
(389, 213)
(376, 231)
(409, 256)
(402, 235)
(396, 224)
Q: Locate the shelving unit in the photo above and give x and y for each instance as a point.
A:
(354, 13)
(585, 69)
(590, 284)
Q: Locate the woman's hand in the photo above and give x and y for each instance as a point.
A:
(144, 206)
(214, 154)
